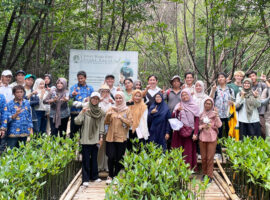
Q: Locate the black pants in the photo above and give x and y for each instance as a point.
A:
(73, 127)
(223, 131)
(3, 144)
(130, 145)
(115, 152)
(61, 128)
(89, 162)
(14, 142)
(249, 129)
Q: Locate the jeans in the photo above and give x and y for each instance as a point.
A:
(3, 143)
(41, 121)
(14, 142)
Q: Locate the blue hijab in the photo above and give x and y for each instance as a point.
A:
(162, 111)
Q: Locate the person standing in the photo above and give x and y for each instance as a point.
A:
(3, 122)
(20, 124)
(200, 95)
(128, 91)
(42, 110)
(248, 103)
(187, 111)
(266, 95)
(209, 124)
(59, 110)
(223, 97)
(32, 97)
(19, 76)
(105, 104)
(78, 92)
(139, 113)
(109, 80)
(91, 119)
(237, 84)
(5, 88)
(189, 82)
(172, 95)
(119, 119)
(258, 86)
(158, 122)
(152, 90)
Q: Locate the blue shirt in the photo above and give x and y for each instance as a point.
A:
(3, 112)
(21, 126)
(83, 92)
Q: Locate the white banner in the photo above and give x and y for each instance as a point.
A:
(98, 64)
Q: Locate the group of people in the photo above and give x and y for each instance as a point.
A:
(110, 118)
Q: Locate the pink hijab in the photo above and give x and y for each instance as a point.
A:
(210, 114)
(121, 107)
(190, 110)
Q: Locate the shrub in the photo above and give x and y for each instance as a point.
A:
(153, 174)
(21, 169)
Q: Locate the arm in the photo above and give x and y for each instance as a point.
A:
(47, 98)
(239, 100)
(29, 116)
(70, 91)
(264, 99)
(4, 113)
(218, 123)
(101, 125)
(168, 126)
(196, 125)
(79, 119)
(128, 119)
(108, 115)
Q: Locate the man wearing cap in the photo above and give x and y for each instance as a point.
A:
(5, 88)
(32, 97)
(19, 76)
(109, 80)
(172, 95)
(78, 92)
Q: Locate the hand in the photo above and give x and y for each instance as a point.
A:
(64, 99)
(180, 108)
(118, 89)
(109, 113)
(154, 110)
(84, 110)
(74, 93)
(216, 111)
(29, 96)
(100, 142)
(34, 92)
(242, 94)
(148, 87)
(255, 93)
(263, 77)
(48, 89)
(119, 117)
(214, 86)
(2, 134)
(19, 111)
(194, 137)
(130, 101)
(111, 101)
(268, 83)
(230, 103)
(228, 80)
(167, 136)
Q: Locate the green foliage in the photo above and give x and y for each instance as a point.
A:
(154, 174)
(251, 156)
(21, 169)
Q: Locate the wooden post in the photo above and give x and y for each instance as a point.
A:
(225, 186)
(225, 177)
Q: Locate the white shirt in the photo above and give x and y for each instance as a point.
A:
(113, 90)
(7, 92)
(142, 129)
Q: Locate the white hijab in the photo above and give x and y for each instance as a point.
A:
(199, 97)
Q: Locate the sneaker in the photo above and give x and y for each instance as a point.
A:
(219, 156)
(97, 180)
(109, 180)
(216, 156)
(202, 179)
(199, 156)
(86, 184)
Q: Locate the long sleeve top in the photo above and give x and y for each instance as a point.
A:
(22, 124)
(265, 100)
(242, 114)
(87, 122)
(3, 113)
(210, 134)
(118, 128)
(83, 92)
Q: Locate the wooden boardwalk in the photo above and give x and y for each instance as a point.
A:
(96, 191)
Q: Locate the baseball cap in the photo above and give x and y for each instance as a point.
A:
(7, 73)
(20, 71)
(95, 94)
(30, 76)
(109, 76)
(174, 77)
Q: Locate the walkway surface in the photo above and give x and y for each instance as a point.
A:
(96, 191)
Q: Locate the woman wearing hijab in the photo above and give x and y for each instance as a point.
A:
(200, 95)
(91, 119)
(105, 104)
(248, 102)
(41, 109)
(139, 113)
(209, 124)
(59, 110)
(158, 124)
(119, 119)
(187, 111)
